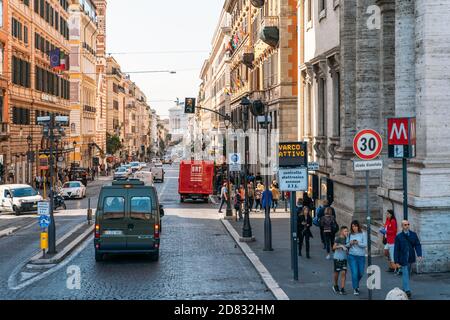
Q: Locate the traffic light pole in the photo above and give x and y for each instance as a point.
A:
(51, 227)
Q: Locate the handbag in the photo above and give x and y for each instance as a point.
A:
(384, 240)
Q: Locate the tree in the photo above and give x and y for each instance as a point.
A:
(113, 143)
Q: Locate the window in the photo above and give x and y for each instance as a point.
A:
(113, 208)
(2, 46)
(337, 104)
(141, 208)
(322, 5)
(322, 107)
(21, 72)
(21, 116)
(1, 13)
(309, 12)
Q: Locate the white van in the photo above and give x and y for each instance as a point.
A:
(18, 198)
(144, 176)
(158, 173)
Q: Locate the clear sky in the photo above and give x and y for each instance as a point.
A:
(162, 26)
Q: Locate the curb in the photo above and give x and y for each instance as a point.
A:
(37, 259)
(260, 268)
(8, 231)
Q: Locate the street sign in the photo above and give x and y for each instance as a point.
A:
(293, 179)
(43, 162)
(367, 144)
(44, 221)
(44, 240)
(44, 208)
(368, 165)
(292, 154)
(402, 137)
(313, 166)
(235, 162)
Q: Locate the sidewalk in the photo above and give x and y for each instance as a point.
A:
(315, 274)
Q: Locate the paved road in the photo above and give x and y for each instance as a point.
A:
(199, 260)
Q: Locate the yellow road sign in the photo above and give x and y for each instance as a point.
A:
(44, 240)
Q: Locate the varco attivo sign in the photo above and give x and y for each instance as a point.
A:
(292, 154)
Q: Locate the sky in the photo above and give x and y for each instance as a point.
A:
(185, 27)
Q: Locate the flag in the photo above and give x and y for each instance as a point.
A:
(63, 62)
(55, 58)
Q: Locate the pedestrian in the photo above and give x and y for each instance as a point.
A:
(320, 212)
(407, 245)
(304, 224)
(275, 196)
(266, 200)
(340, 260)
(238, 204)
(389, 235)
(251, 195)
(357, 243)
(242, 194)
(258, 178)
(329, 225)
(307, 201)
(223, 196)
(258, 196)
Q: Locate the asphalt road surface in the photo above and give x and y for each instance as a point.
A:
(199, 260)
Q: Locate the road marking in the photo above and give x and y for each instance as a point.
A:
(260, 268)
(15, 272)
(7, 232)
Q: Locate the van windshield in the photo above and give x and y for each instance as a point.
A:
(141, 208)
(113, 208)
(23, 192)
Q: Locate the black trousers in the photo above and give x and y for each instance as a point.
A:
(303, 236)
(222, 202)
(251, 201)
(329, 241)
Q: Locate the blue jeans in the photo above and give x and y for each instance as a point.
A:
(405, 277)
(357, 268)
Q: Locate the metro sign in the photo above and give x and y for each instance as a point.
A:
(402, 137)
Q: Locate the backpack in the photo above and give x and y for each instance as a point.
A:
(316, 221)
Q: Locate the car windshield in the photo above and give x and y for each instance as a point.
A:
(71, 185)
(122, 169)
(135, 164)
(24, 192)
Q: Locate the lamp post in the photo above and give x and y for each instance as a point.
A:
(229, 213)
(246, 229)
(29, 158)
(74, 147)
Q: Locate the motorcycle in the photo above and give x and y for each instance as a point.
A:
(59, 202)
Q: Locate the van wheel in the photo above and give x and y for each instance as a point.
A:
(16, 211)
(98, 257)
(154, 256)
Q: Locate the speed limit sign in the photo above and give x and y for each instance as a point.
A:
(368, 144)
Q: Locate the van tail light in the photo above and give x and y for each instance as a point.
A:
(156, 234)
(97, 231)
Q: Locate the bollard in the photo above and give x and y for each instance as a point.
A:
(89, 212)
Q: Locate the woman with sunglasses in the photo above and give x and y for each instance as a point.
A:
(357, 243)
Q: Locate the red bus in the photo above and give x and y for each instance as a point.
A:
(196, 180)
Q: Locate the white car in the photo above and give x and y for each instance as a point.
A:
(144, 176)
(135, 166)
(73, 190)
(18, 198)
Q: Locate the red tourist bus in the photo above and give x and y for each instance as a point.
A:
(196, 180)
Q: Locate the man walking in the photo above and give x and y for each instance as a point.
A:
(407, 245)
(223, 196)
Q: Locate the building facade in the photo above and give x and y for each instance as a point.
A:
(381, 59)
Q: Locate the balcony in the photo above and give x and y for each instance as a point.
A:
(4, 131)
(131, 105)
(270, 33)
(88, 108)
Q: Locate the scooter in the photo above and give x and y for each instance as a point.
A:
(59, 202)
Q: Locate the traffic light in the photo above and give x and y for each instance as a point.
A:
(189, 105)
(258, 108)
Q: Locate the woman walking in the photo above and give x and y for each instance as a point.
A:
(304, 224)
(251, 196)
(258, 195)
(275, 196)
(390, 232)
(328, 223)
(238, 204)
(357, 243)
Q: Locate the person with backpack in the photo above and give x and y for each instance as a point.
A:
(357, 244)
(407, 245)
(340, 260)
(238, 204)
(320, 212)
(328, 223)
(304, 223)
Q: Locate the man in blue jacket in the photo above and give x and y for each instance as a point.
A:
(267, 199)
(407, 245)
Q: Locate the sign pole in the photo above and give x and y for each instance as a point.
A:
(405, 189)
(293, 251)
(369, 222)
(294, 235)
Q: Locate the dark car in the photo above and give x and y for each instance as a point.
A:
(128, 220)
(79, 174)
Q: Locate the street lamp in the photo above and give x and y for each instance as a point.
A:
(74, 146)
(229, 213)
(29, 158)
(246, 229)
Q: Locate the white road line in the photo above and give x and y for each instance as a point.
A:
(47, 273)
(7, 231)
(260, 268)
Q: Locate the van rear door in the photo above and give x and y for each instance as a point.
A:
(142, 219)
(113, 221)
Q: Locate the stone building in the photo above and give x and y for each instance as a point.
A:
(392, 63)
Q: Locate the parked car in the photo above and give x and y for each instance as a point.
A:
(18, 198)
(122, 173)
(144, 176)
(135, 166)
(128, 220)
(73, 190)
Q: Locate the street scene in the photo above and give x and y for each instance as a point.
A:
(269, 150)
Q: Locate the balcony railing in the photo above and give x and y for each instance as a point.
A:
(4, 131)
(88, 108)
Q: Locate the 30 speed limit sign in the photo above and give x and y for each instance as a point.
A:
(368, 144)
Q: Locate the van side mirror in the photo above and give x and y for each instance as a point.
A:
(161, 210)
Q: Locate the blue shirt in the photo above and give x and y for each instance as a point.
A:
(360, 248)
